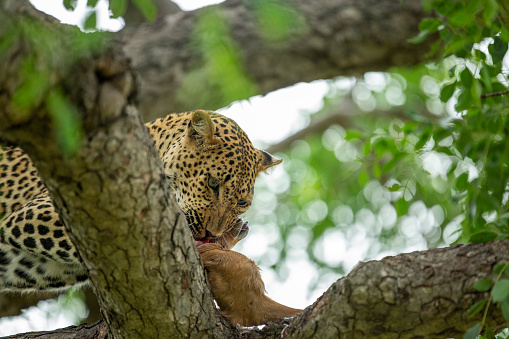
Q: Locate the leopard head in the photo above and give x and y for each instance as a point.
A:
(212, 167)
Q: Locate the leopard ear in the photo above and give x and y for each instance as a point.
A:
(201, 129)
(267, 160)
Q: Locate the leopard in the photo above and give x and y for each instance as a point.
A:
(211, 166)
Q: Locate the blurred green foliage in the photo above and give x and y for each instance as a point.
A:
(221, 67)
(41, 68)
(278, 21)
(421, 162)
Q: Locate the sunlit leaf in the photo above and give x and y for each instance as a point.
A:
(430, 24)
(473, 332)
(70, 4)
(278, 20)
(466, 78)
(447, 92)
(118, 7)
(488, 333)
(497, 269)
(500, 290)
(65, 119)
(483, 285)
(476, 308)
(147, 7)
(90, 22)
(490, 11)
(419, 37)
(504, 306)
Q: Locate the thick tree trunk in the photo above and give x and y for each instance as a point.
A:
(422, 294)
(331, 38)
(129, 232)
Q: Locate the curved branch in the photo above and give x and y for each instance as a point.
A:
(346, 37)
(423, 294)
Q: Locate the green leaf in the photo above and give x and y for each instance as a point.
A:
(430, 24)
(394, 188)
(504, 34)
(464, 100)
(499, 267)
(92, 3)
(504, 216)
(353, 134)
(70, 5)
(91, 21)
(497, 50)
(504, 305)
(377, 170)
(486, 78)
(419, 37)
(466, 78)
(367, 148)
(452, 71)
(473, 332)
(490, 11)
(485, 236)
(447, 92)
(483, 285)
(461, 18)
(478, 306)
(423, 139)
(277, 20)
(474, 6)
(462, 181)
(118, 7)
(66, 122)
(147, 7)
(501, 290)
(488, 333)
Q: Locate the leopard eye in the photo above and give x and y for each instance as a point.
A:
(213, 182)
(242, 203)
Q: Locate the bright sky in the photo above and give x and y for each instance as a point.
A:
(266, 120)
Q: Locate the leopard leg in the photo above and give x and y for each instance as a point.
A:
(238, 288)
(35, 250)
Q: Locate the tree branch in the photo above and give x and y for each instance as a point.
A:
(420, 294)
(346, 37)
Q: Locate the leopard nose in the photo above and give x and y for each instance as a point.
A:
(213, 232)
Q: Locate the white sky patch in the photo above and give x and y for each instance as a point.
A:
(191, 5)
(76, 17)
(277, 115)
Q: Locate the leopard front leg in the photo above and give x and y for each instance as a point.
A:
(35, 250)
(238, 288)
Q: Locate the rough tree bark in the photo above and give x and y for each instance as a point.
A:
(114, 199)
(347, 37)
(422, 294)
(129, 231)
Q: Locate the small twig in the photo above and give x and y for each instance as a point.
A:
(494, 94)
